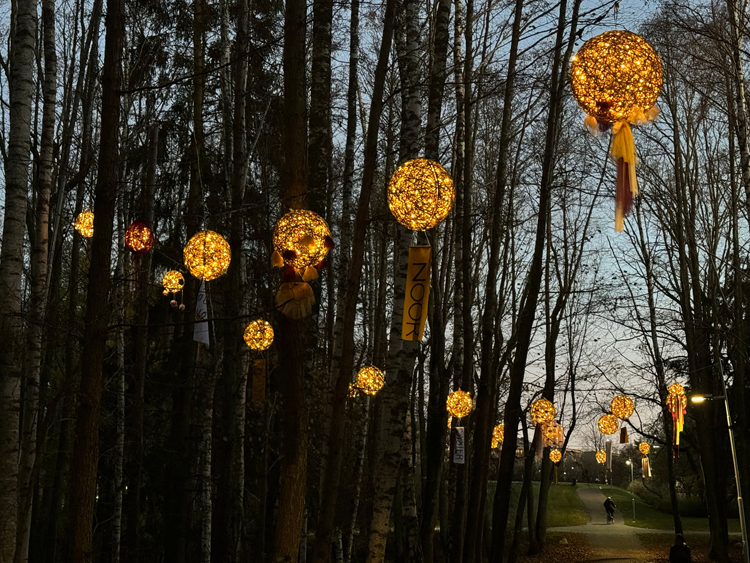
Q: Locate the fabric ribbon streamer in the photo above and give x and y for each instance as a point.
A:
(295, 299)
(623, 153)
(645, 468)
(624, 435)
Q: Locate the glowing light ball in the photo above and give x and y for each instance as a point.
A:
(259, 335)
(207, 255)
(85, 224)
(459, 404)
(421, 194)
(542, 411)
(622, 407)
(616, 76)
(302, 238)
(173, 281)
(601, 457)
(608, 424)
(644, 448)
(555, 456)
(498, 435)
(676, 389)
(139, 238)
(370, 380)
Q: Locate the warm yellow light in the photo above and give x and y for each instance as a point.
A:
(173, 281)
(370, 380)
(542, 411)
(139, 238)
(85, 224)
(498, 435)
(616, 76)
(622, 407)
(601, 457)
(459, 404)
(259, 335)
(676, 389)
(353, 391)
(644, 448)
(608, 424)
(555, 456)
(207, 255)
(421, 194)
(302, 238)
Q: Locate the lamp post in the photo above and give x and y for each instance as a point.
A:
(630, 463)
(740, 505)
(632, 496)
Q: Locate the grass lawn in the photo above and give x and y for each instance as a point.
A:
(648, 517)
(564, 507)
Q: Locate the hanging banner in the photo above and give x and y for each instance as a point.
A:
(645, 468)
(200, 331)
(459, 453)
(417, 294)
(259, 380)
(624, 435)
(608, 447)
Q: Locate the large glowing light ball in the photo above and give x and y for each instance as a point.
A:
(302, 238)
(622, 407)
(644, 448)
(85, 224)
(421, 194)
(555, 456)
(542, 411)
(259, 335)
(139, 238)
(498, 435)
(459, 404)
(207, 255)
(615, 76)
(370, 380)
(601, 457)
(173, 281)
(608, 424)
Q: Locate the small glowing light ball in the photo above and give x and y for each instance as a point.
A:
(370, 380)
(421, 194)
(644, 448)
(300, 237)
(676, 389)
(542, 411)
(615, 76)
(555, 456)
(173, 281)
(139, 239)
(259, 335)
(85, 224)
(601, 457)
(498, 435)
(608, 424)
(622, 407)
(459, 404)
(207, 255)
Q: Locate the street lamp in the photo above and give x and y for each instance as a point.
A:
(632, 495)
(697, 399)
(630, 463)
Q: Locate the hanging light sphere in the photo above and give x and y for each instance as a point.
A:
(259, 335)
(608, 424)
(676, 389)
(139, 238)
(302, 238)
(601, 457)
(370, 380)
(207, 255)
(622, 407)
(555, 456)
(421, 194)
(85, 224)
(644, 448)
(615, 76)
(459, 404)
(173, 281)
(498, 435)
(542, 411)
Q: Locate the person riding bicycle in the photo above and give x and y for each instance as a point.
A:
(609, 506)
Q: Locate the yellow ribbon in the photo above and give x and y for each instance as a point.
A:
(623, 147)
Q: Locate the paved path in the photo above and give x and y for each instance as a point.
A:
(610, 542)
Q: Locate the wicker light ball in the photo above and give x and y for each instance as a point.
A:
(615, 75)
(553, 433)
(173, 281)
(139, 238)
(622, 407)
(207, 255)
(85, 224)
(555, 456)
(421, 194)
(370, 380)
(259, 335)
(542, 411)
(601, 457)
(608, 424)
(459, 404)
(302, 238)
(644, 448)
(498, 435)
(676, 389)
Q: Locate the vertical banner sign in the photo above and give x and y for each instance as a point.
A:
(609, 454)
(417, 293)
(645, 468)
(200, 332)
(624, 435)
(459, 454)
(259, 380)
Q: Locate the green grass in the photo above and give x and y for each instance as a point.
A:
(564, 508)
(647, 516)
